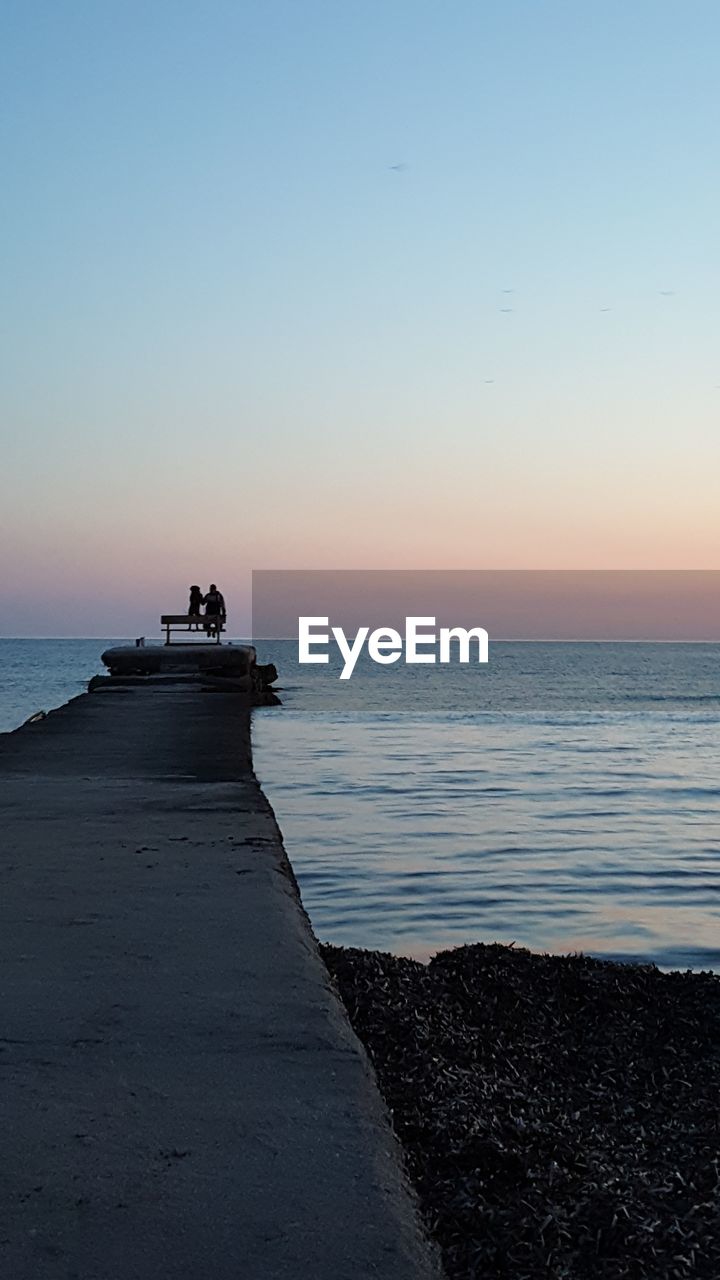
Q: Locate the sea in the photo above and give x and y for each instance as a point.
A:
(564, 798)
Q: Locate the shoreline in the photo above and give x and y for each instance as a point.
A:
(559, 1115)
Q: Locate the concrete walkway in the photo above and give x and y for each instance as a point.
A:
(181, 1095)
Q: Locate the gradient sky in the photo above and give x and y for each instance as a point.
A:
(236, 336)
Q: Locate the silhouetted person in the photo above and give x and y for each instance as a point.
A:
(195, 605)
(215, 613)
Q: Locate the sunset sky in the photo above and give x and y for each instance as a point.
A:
(390, 284)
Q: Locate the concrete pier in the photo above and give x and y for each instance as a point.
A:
(181, 1094)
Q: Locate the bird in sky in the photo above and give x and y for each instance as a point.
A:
(507, 310)
(667, 293)
(399, 168)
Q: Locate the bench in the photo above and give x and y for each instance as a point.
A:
(192, 622)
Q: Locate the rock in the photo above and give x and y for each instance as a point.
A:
(268, 672)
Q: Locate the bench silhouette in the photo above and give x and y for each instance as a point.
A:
(192, 622)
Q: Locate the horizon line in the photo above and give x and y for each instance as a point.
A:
(496, 640)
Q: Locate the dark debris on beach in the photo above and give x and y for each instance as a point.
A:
(559, 1114)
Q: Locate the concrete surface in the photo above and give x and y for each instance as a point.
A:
(181, 1094)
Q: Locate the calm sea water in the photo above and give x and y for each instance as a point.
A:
(565, 797)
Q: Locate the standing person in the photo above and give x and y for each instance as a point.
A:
(195, 606)
(215, 613)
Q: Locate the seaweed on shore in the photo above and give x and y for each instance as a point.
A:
(559, 1114)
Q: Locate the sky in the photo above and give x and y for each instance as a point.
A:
(379, 284)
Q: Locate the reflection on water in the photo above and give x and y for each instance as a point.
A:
(584, 816)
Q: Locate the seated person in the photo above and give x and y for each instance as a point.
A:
(215, 614)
